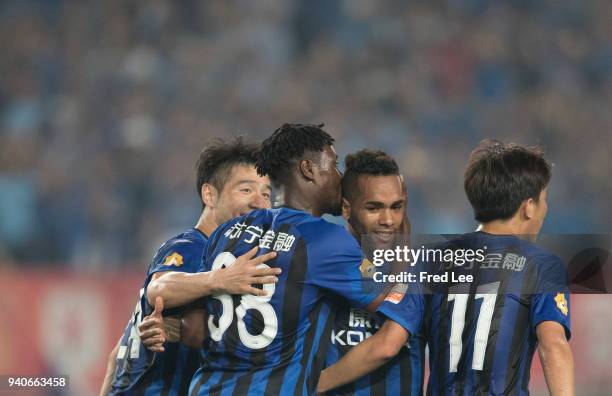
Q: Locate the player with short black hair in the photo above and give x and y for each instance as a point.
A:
(288, 144)
(366, 162)
(482, 335)
(374, 206)
(219, 157)
(228, 186)
(500, 177)
(295, 150)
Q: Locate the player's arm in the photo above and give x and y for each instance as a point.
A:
(365, 357)
(180, 288)
(110, 370)
(193, 328)
(556, 357)
(550, 318)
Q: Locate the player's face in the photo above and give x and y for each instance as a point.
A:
(377, 209)
(330, 181)
(243, 192)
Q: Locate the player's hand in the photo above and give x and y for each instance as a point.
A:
(245, 272)
(151, 329)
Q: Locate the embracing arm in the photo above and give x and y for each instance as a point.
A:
(365, 357)
(181, 288)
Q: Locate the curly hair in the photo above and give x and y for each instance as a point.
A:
(288, 144)
(500, 176)
(218, 158)
(366, 162)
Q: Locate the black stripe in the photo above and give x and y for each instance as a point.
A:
(443, 346)
(521, 325)
(292, 302)
(204, 378)
(405, 367)
(189, 369)
(168, 366)
(243, 383)
(378, 385)
(483, 378)
(318, 361)
(421, 363)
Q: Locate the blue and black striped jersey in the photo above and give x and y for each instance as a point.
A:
(276, 344)
(402, 375)
(140, 371)
(482, 335)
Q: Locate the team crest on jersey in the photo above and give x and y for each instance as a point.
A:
(174, 259)
(367, 269)
(397, 293)
(561, 303)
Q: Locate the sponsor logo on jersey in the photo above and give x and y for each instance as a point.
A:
(397, 293)
(367, 268)
(561, 303)
(174, 259)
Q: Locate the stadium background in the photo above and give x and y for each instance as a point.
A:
(104, 106)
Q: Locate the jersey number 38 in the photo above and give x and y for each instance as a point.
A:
(247, 301)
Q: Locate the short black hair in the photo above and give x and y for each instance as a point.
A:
(369, 163)
(499, 177)
(218, 158)
(288, 144)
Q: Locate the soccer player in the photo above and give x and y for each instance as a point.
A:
(482, 336)
(374, 205)
(275, 344)
(229, 186)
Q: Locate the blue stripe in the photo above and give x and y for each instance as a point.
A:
(393, 377)
(259, 382)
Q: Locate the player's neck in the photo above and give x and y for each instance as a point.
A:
(300, 200)
(206, 223)
(511, 226)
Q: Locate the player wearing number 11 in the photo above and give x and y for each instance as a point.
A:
(482, 336)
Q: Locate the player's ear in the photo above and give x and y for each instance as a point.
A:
(209, 195)
(529, 208)
(346, 209)
(307, 169)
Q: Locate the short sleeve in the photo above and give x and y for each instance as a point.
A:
(336, 264)
(404, 307)
(182, 255)
(178, 254)
(551, 301)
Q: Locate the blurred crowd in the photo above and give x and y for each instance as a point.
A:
(105, 105)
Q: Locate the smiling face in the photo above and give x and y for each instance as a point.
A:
(376, 209)
(243, 192)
